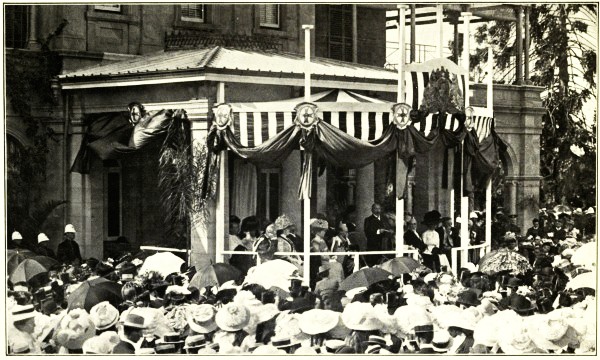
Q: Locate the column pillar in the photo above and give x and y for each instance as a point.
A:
(527, 43)
(354, 34)
(512, 191)
(519, 43)
(413, 34)
(290, 205)
(203, 233)
(409, 197)
(456, 47)
(365, 194)
(32, 42)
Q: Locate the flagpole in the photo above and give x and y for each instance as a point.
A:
(401, 99)
(464, 200)
(306, 197)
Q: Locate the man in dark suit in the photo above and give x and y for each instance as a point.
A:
(374, 231)
(449, 236)
(412, 237)
(132, 336)
(68, 250)
(424, 335)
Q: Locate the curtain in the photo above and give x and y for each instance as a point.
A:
(243, 196)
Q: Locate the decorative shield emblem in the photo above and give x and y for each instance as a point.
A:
(401, 115)
(306, 115)
(469, 123)
(223, 116)
(136, 113)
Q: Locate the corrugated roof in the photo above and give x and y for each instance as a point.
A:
(220, 58)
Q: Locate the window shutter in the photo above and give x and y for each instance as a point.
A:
(192, 11)
(269, 15)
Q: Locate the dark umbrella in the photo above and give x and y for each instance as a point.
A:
(365, 278)
(504, 259)
(215, 275)
(46, 261)
(15, 257)
(401, 265)
(26, 270)
(92, 292)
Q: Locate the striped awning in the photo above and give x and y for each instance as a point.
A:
(357, 115)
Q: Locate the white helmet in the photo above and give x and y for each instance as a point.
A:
(70, 229)
(16, 236)
(42, 237)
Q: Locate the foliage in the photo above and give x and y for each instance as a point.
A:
(563, 55)
(28, 79)
(181, 166)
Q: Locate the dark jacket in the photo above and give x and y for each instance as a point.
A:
(123, 347)
(374, 240)
(68, 251)
(43, 250)
(410, 238)
(466, 346)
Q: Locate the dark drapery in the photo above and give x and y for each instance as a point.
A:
(326, 144)
(111, 136)
(481, 160)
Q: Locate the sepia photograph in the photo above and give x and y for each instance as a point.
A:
(300, 178)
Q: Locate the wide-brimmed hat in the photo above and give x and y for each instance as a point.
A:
(201, 318)
(42, 237)
(300, 305)
(468, 297)
(464, 319)
(520, 304)
(514, 282)
(268, 350)
(266, 312)
(432, 217)
(171, 338)
(441, 341)
(514, 339)
(283, 222)
(549, 331)
(134, 321)
(22, 312)
(74, 329)
(166, 348)
(318, 321)
(101, 344)
(361, 316)
(284, 342)
(104, 315)
(486, 331)
(195, 341)
(319, 224)
(232, 317)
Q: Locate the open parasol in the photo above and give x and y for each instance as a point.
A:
(272, 273)
(15, 257)
(585, 255)
(365, 278)
(401, 265)
(504, 259)
(165, 263)
(585, 280)
(92, 292)
(215, 275)
(27, 270)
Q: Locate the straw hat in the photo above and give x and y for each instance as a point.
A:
(22, 312)
(549, 331)
(268, 350)
(410, 316)
(42, 237)
(318, 321)
(441, 341)
(464, 320)
(232, 317)
(361, 316)
(104, 315)
(195, 342)
(100, 344)
(514, 339)
(201, 318)
(305, 350)
(74, 329)
(282, 342)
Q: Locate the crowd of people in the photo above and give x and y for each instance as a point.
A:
(426, 309)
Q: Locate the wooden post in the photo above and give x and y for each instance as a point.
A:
(527, 43)
(220, 218)
(413, 34)
(354, 34)
(400, 98)
(306, 200)
(464, 200)
(488, 188)
(439, 19)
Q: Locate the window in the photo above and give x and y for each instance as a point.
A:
(269, 16)
(111, 8)
(17, 20)
(113, 199)
(340, 32)
(193, 12)
(267, 202)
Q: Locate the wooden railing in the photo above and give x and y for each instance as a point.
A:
(483, 249)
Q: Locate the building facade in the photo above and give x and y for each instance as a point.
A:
(121, 198)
